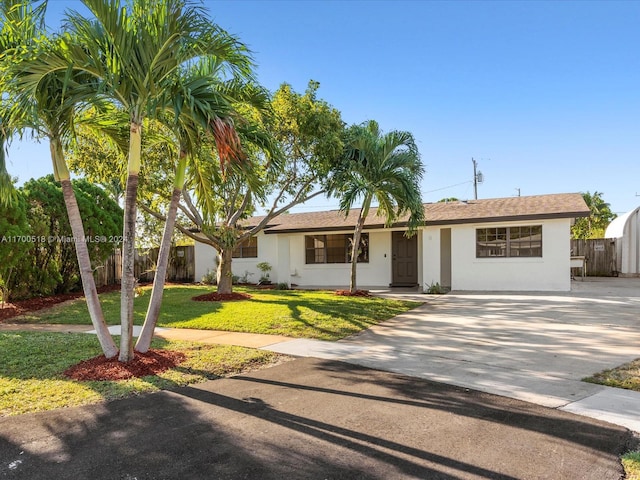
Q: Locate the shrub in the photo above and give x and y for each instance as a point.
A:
(435, 288)
(209, 278)
(51, 265)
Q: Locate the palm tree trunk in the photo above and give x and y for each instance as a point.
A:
(355, 247)
(129, 246)
(224, 274)
(82, 252)
(153, 312)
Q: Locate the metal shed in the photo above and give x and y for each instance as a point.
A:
(626, 230)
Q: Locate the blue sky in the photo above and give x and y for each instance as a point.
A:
(544, 95)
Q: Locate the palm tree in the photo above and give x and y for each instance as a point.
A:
(22, 22)
(136, 51)
(595, 225)
(48, 107)
(381, 167)
(196, 97)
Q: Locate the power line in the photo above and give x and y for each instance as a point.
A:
(450, 186)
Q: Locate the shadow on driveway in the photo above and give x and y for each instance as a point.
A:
(308, 419)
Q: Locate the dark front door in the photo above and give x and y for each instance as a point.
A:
(404, 260)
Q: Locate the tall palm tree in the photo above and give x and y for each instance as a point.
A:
(136, 51)
(384, 168)
(48, 107)
(20, 23)
(196, 97)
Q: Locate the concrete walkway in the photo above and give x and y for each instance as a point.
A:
(532, 347)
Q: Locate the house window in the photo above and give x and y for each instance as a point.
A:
(523, 241)
(334, 248)
(248, 248)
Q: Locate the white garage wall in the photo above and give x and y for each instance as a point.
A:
(549, 273)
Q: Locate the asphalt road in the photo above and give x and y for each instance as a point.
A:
(312, 419)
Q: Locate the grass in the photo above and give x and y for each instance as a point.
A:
(32, 363)
(295, 313)
(32, 366)
(625, 376)
(631, 464)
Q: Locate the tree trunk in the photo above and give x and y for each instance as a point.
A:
(153, 312)
(86, 272)
(82, 252)
(129, 246)
(357, 234)
(354, 256)
(224, 274)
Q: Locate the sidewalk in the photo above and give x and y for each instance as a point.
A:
(219, 337)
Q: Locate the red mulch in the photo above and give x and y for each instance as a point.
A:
(10, 310)
(357, 293)
(221, 297)
(101, 368)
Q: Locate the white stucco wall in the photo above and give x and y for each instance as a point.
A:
(430, 246)
(205, 256)
(376, 273)
(549, 273)
(286, 253)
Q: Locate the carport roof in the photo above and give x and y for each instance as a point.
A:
(535, 207)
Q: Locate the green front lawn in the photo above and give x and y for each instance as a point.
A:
(295, 313)
(32, 366)
(626, 376)
(631, 463)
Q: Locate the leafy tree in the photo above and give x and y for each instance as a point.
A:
(595, 225)
(381, 167)
(15, 236)
(51, 265)
(448, 199)
(309, 133)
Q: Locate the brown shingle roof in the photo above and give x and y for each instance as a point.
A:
(536, 207)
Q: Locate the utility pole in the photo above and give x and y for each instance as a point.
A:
(518, 189)
(477, 178)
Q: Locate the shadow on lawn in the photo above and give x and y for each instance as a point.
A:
(360, 312)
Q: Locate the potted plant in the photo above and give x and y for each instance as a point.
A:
(265, 268)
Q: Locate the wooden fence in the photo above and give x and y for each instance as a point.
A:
(600, 256)
(181, 266)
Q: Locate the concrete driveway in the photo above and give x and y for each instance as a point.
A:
(535, 347)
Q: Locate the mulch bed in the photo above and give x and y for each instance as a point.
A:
(100, 368)
(357, 293)
(221, 297)
(14, 309)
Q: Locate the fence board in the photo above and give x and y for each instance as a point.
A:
(600, 255)
(181, 266)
